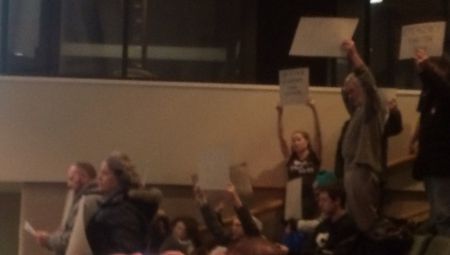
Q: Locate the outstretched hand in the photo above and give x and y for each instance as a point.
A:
(233, 195)
(42, 238)
(199, 194)
(311, 103)
(420, 55)
(348, 46)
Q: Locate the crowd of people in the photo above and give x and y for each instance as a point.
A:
(330, 212)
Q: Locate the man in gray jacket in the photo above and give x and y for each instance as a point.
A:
(80, 181)
(361, 142)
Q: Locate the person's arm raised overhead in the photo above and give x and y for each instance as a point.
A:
(317, 144)
(368, 97)
(209, 216)
(280, 132)
(434, 73)
(243, 213)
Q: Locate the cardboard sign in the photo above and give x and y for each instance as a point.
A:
(294, 86)
(322, 37)
(427, 36)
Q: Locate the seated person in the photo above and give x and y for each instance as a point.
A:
(335, 234)
(184, 236)
(323, 178)
(242, 225)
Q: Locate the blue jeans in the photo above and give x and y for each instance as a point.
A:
(438, 193)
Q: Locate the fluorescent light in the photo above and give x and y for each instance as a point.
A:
(376, 1)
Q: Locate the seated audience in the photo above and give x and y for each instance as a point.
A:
(242, 225)
(184, 236)
(159, 231)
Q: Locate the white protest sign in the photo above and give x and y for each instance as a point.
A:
(294, 85)
(214, 169)
(427, 36)
(322, 37)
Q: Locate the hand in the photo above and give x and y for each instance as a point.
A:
(231, 190)
(200, 195)
(233, 195)
(420, 55)
(348, 46)
(392, 104)
(279, 109)
(42, 238)
(311, 103)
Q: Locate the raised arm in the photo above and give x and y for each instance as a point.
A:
(433, 74)
(372, 101)
(243, 213)
(317, 144)
(412, 146)
(352, 54)
(209, 215)
(280, 131)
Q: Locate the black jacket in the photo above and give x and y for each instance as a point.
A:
(434, 126)
(121, 222)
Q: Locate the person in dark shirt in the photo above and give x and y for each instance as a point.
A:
(335, 234)
(433, 162)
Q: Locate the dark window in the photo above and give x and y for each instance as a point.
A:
(235, 41)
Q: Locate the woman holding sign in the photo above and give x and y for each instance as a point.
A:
(302, 164)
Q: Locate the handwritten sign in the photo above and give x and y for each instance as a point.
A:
(294, 85)
(322, 37)
(428, 36)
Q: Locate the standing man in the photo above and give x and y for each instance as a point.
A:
(433, 158)
(361, 141)
(80, 180)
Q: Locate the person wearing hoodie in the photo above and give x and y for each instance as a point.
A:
(121, 223)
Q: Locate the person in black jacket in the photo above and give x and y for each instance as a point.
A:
(337, 232)
(121, 223)
(433, 162)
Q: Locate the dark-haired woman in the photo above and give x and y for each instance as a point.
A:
(121, 223)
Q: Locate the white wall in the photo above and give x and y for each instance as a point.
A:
(48, 123)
